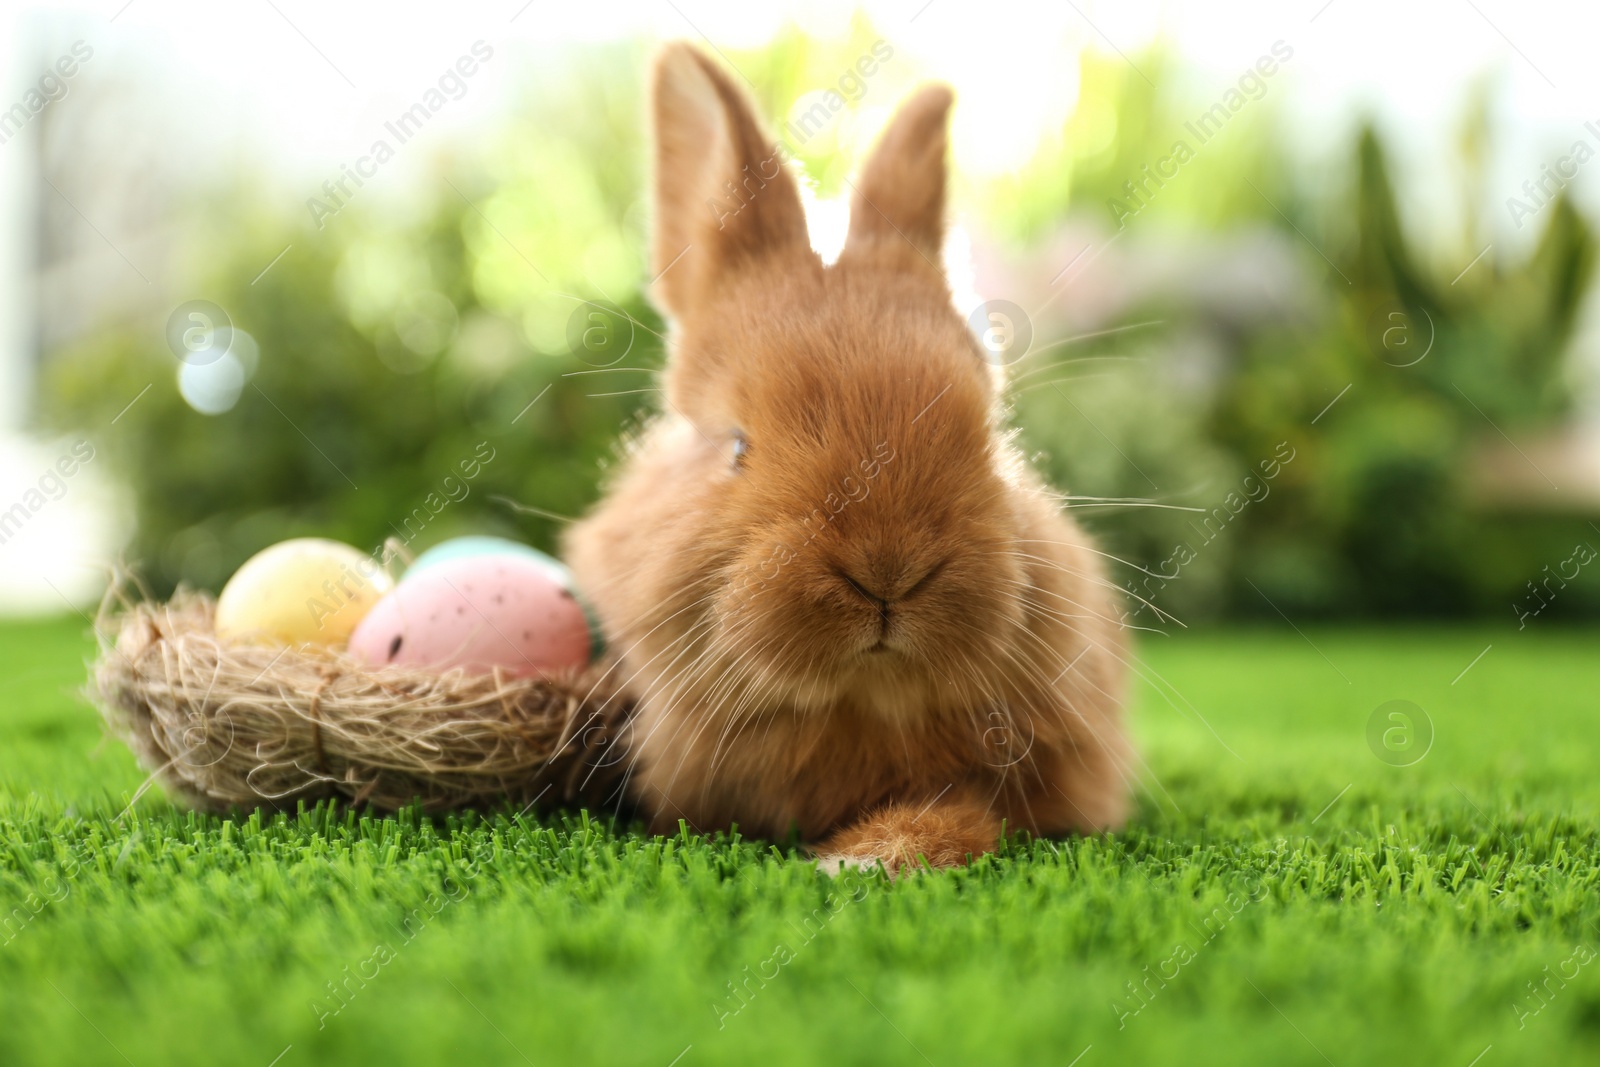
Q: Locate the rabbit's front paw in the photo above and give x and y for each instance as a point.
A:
(902, 838)
(835, 863)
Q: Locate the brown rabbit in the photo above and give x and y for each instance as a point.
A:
(844, 604)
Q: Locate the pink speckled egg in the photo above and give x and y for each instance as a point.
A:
(477, 613)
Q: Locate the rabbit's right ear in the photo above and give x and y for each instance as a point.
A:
(722, 194)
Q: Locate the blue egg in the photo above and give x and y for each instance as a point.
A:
(479, 545)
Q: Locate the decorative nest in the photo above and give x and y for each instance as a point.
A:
(229, 725)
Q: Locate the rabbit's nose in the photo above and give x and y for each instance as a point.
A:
(884, 592)
(869, 589)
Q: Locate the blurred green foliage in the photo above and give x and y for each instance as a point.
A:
(1383, 516)
(1379, 511)
(393, 344)
(396, 340)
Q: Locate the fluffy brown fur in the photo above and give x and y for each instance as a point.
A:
(844, 604)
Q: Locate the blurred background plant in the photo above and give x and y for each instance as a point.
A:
(1394, 385)
(1263, 312)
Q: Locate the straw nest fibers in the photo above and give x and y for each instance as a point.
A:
(241, 726)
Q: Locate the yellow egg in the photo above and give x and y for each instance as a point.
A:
(306, 591)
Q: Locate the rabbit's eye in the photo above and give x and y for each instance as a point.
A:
(741, 448)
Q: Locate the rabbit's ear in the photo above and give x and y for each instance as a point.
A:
(722, 193)
(898, 207)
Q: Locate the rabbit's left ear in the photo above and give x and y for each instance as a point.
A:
(723, 196)
(898, 207)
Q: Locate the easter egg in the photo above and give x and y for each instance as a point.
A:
(480, 545)
(305, 591)
(477, 613)
(475, 545)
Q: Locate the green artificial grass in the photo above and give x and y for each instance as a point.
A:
(1284, 896)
